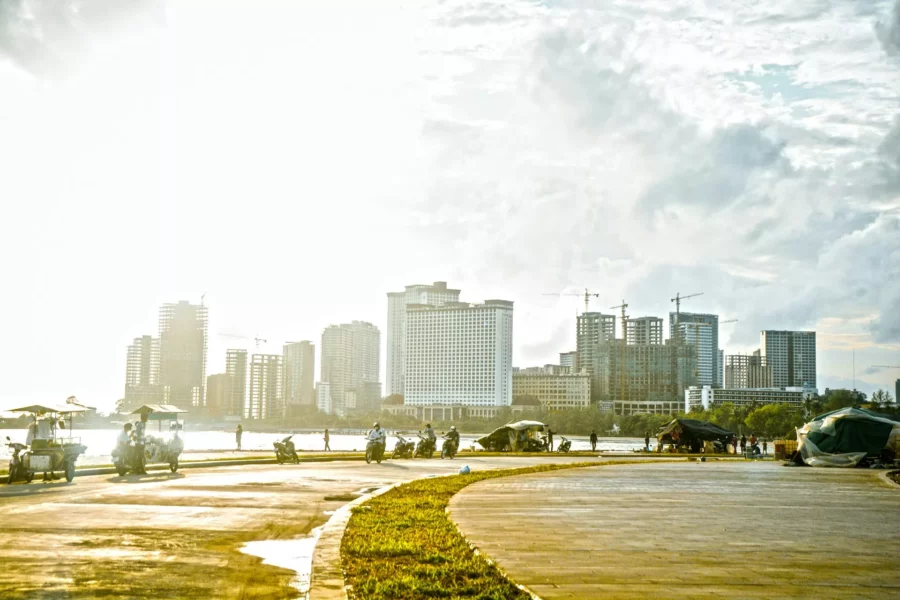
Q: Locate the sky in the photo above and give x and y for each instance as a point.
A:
(294, 161)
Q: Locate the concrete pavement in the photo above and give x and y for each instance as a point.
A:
(178, 535)
(691, 530)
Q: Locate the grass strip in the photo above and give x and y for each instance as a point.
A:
(402, 545)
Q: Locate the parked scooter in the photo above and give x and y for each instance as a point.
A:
(403, 448)
(564, 445)
(374, 451)
(285, 451)
(127, 460)
(17, 470)
(425, 448)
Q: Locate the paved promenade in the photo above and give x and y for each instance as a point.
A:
(690, 530)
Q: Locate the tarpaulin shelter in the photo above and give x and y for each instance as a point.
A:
(517, 437)
(844, 437)
(692, 433)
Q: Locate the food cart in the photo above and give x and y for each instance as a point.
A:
(164, 435)
(522, 436)
(49, 448)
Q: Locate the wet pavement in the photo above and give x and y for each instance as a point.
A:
(179, 535)
(690, 530)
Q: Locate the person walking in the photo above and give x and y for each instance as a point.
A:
(550, 433)
(743, 443)
(646, 441)
(238, 434)
(327, 441)
(734, 443)
(593, 441)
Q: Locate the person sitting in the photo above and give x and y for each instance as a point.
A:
(378, 436)
(453, 436)
(430, 436)
(122, 441)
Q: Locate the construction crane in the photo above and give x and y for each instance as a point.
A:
(587, 296)
(623, 306)
(256, 339)
(677, 300)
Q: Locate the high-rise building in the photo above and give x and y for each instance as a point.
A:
(567, 359)
(592, 329)
(350, 360)
(265, 400)
(323, 398)
(702, 332)
(218, 394)
(459, 354)
(791, 355)
(655, 376)
(720, 369)
(142, 374)
(644, 330)
(236, 368)
(182, 353)
(432, 295)
(743, 371)
(299, 377)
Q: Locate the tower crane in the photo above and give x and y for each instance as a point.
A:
(623, 306)
(677, 300)
(256, 339)
(587, 296)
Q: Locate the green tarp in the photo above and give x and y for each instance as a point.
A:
(843, 437)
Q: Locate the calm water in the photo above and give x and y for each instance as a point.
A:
(100, 442)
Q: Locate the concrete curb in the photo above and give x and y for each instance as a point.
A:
(326, 580)
(886, 476)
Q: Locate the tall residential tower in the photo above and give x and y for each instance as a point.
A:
(182, 353)
(791, 355)
(351, 366)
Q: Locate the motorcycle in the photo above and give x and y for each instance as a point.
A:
(403, 449)
(425, 448)
(449, 448)
(564, 445)
(374, 451)
(285, 451)
(17, 470)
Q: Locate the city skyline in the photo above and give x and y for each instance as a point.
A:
(745, 162)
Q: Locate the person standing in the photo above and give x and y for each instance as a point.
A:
(327, 441)
(139, 428)
(765, 448)
(743, 443)
(593, 441)
(238, 434)
(646, 441)
(550, 433)
(734, 443)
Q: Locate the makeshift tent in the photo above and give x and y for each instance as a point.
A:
(691, 432)
(844, 437)
(516, 436)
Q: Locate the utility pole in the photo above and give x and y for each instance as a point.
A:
(623, 306)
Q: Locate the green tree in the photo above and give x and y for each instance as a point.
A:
(774, 420)
(881, 398)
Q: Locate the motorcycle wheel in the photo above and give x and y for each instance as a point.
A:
(121, 470)
(394, 455)
(173, 466)
(13, 471)
(29, 477)
(443, 453)
(70, 470)
(279, 459)
(296, 459)
(368, 456)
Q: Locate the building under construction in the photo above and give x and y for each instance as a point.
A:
(182, 353)
(655, 376)
(747, 371)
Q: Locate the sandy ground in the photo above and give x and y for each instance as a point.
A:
(178, 535)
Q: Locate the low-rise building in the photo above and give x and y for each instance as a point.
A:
(553, 386)
(706, 397)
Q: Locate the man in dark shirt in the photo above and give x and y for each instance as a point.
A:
(550, 433)
(593, 440)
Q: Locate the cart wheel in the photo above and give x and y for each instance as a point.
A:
(70, 470)
(173, 466)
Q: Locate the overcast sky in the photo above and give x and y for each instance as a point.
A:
(297, 160)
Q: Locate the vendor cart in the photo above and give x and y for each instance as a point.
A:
(50, 447)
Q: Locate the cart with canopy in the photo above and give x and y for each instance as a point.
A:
(49, 446)
(521, 436)
(164, 434)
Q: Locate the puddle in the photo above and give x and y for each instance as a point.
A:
(295, 555)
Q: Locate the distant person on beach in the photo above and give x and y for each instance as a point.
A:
(238, 434)
(646, 441)
(327, 442)
(593, 440)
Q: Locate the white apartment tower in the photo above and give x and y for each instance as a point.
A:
(433, 295)
(701, 331)
(266, 387)
(459, 354)
(351, 365)
(791, 355)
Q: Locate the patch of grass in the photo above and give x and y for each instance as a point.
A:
(401, 545)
